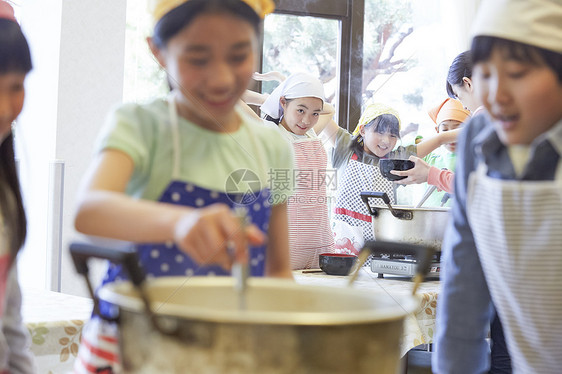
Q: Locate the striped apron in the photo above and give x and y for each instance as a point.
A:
(352, 223)
(309, 223)
(520, 248)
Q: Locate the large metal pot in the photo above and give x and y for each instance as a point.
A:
(421, 226)
(194, 325)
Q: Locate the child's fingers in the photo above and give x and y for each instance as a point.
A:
(204, 233)
(214, 235)
(255, 236)
(239, 237)
(203, 239)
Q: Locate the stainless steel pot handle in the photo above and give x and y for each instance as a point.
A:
(82, 252)
(400, 214)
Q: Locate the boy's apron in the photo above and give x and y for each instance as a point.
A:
(352, 224)
(99, 345)
(309, 223)
(517, 227)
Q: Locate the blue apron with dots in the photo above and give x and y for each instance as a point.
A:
(100, 337)
(166, 259)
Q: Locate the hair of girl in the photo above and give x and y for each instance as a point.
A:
(384, 123)
(14, 50)
(277, 121)
(460, 67)
(482, 47)
(178, 18)
(14, 57)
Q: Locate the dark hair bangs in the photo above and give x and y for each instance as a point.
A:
(14, 50)
(482, 47)
(178, 18)
(385, 123)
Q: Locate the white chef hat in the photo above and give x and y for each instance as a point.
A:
(534, 22)
(296, 86)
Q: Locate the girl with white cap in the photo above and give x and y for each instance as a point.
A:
(295, 106)
(504, 243)
(15, 63)
(168, 173)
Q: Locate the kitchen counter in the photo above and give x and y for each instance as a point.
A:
(419, 326)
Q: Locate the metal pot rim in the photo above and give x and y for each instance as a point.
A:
(126, 297)
(411, 208)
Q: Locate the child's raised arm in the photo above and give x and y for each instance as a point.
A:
(426, 146)
(326, 126)
(269, 76)
(254, 98)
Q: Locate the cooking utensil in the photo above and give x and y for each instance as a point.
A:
(310, 271)
(423, 226)
(82, 252)
(336, 263)
(240, 271)
(426, 195)
(387, 164)
(361, 259)
(286, 328)
(445, 198)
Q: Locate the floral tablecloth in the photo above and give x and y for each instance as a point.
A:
(55, 322)
(419, 326)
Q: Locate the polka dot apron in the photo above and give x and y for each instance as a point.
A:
(100, 339)
(351, 222)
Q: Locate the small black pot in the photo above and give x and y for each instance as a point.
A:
(387, 164)
(336, 263)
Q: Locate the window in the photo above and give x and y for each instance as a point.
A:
(406, 59)
(144, 79)
(301, 43)
(329, 31)
(391, 51)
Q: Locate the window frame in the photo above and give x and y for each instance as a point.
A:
(351, 15)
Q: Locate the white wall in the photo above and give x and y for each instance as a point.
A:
(78, 55)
